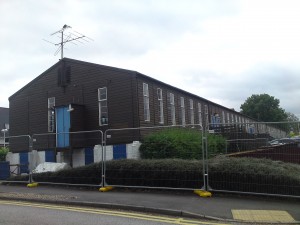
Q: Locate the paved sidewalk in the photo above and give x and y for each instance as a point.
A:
(179, 203)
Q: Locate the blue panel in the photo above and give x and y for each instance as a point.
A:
(24, 161)
(67, 126)
(50, 156)
(4, 170)
(119, 152)
(60, 127)
(89, 155)
(63, 125)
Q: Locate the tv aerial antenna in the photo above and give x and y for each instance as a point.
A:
(71, 37)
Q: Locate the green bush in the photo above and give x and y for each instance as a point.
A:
(216, 145)
(172, 143)
(181, 143)
(3, 153)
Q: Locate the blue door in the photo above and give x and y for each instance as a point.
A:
(62, 127)
(119, 152)
(24, 162)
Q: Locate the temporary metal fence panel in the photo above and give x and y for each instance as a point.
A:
(77, 156)
(20, 162)
(257, 158)
(159, 169)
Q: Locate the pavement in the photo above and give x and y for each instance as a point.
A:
(176, 203)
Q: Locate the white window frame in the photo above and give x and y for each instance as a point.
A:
(102, 105)
(146, 102)
(223, 117)
(228, 117)
(182, 110)
(192, 113)
(160, 105)
(172, 108)
(200, 113)
(51, 114)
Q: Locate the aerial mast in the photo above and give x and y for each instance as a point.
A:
(71, 37)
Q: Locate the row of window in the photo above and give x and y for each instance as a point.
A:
(172, 107)
(215, 118)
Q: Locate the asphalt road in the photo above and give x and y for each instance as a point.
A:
(19, 213)
(217, 206)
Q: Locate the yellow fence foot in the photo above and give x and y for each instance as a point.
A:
(32, 185)
(202, 193)
(104, 189)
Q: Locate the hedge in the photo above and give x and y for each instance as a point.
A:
(233, 174)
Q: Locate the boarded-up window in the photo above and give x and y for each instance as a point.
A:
(63, 75)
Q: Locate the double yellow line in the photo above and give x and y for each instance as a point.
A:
(139, 216)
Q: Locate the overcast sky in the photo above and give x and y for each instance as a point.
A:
(221, 50)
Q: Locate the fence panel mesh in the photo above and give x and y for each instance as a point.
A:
(155, 163)
(72, 149)
(259, 158)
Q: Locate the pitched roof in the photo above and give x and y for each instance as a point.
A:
(134, 73)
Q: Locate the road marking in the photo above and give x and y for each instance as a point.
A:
(262, 216)
(111, 213)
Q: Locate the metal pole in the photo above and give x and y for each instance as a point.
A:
(4, 138)
(62, 44)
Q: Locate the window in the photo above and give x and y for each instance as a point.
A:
(51, 114)
(215, 120)
(199, 114)
(102, 101)
(172, 108)
(182, 111)
(223, 117)
(146, 102)
(228, 118)
(192, 111)
(160, 106)
(232, 118)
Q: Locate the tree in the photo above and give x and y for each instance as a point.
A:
(291, 117)
(263, 107)
(293, 124)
